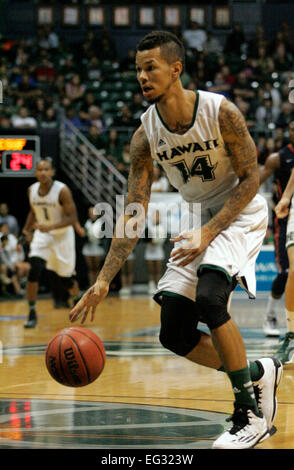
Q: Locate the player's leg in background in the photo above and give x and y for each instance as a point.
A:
(151, 264)
(285, 351)
(158, 267)
(270, 326)
(36, 266)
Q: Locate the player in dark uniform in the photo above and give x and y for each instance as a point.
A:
(279, 164)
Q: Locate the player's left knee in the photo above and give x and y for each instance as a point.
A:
(212, 296)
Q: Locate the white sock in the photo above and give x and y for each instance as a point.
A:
(290, 320)
(272, 306)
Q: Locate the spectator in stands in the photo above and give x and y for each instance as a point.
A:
(96, 138)
(212, 45)
(15, 253)
(75, 90)
(235, 41)
(266, 113)
(220, 85)
(22, 119)
(48, 39)
(8, 272)
(195, 37)
(58, 86)
(265, 63)
(280, 139)
(124, 118)
(138, 105)
(106, 50)
(50, 120)
(88, 101)
(45, 72)
(258, 40)
(93, 69)
(113, 146)
(286, 115)
(228, 76)
(127, 64)
(283, 59)
(288, 36)
(287, 86)
(9, 219)
(38, 109)
(242, 87)
(96, 118)
(244, 107)
(72, 115)
(274, 94)
(25, 87)
(160, 183)
(68, 68)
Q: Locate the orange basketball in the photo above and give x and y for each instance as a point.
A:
(75, 356)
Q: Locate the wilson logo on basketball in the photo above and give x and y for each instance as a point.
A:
(53, 369)
(72, 364)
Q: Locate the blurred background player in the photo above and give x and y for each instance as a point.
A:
(280, 165)
(285, 352)
(154, 252)
(51, 216)
(127, 276)
(93, 250)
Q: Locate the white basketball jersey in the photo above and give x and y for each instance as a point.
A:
(196, 163)
(47, 209)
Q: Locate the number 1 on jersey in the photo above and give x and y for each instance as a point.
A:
(46, 215)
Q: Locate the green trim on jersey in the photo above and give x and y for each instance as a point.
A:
(217, 268)
(193, 119)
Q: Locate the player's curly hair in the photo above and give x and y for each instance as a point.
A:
(171, 47)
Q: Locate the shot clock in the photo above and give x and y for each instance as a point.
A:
(19, 155)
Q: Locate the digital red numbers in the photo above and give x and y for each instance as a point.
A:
(18, 159)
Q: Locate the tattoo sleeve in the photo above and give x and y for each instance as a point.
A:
(139, 188)
(242, 152)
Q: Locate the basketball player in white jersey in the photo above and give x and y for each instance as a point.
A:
(202, 142)
(52, 214)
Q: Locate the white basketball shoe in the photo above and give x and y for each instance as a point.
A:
(265, 389)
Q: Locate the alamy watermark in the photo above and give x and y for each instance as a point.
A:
(164, 219)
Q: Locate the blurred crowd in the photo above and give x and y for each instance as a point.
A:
(44, 79)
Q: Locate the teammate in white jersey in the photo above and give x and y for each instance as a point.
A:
(202, 142)
(49, 230)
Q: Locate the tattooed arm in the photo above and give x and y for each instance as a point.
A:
(139, 189)
(242, 152)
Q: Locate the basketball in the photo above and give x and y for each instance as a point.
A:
(75, 356)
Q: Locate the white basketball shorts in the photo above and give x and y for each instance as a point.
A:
(233, 251)
(57, 250)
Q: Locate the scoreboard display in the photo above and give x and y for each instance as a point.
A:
(19, 155)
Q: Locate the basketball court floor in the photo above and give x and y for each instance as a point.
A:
(146, 397)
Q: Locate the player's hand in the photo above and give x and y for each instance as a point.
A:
(282, 208)
(197, 241)
(89, 301)
(42, 228)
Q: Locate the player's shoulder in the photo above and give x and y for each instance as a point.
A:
(33, 187)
